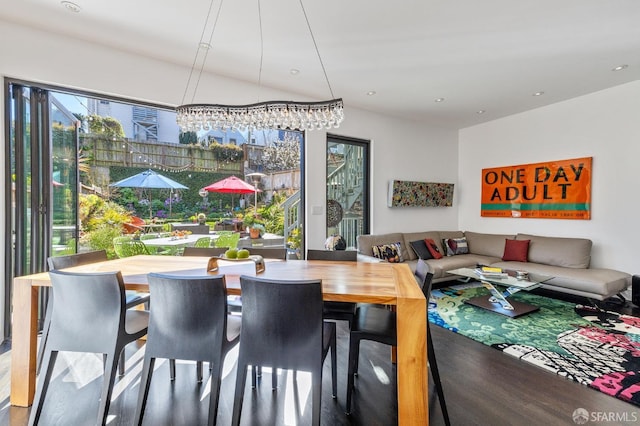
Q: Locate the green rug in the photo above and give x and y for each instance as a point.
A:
(597, 348)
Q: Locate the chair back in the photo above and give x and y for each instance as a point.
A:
(423, 276)
(281, 323)
(188, 316)
(203, 242)
(85, 326)
(204, 251)
(269, 253)
(128, 248)
(343, 255)
(228, 240)
(60, 262)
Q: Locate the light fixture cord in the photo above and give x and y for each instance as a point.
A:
(317, 51)
(261, 50)
(204, 60)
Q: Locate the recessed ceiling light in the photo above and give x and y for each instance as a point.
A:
(205, 46)
(371, 92)
(480, 111)
(620, 67)
(71, 6)
(439, 99)
(538, 94)
(294, 71)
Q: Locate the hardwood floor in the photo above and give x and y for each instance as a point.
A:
(482, 387)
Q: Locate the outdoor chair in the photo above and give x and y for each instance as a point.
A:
(100, 324)
(203, 242)
(379, 325)
(127, 247)
(339, 311)
(229, 240)
(282, 327)
(132, 298)
(203, 332)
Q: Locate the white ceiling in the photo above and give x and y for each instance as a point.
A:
(489, 55)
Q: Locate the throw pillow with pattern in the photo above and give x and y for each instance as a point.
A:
(433, 248)
(389, 252)
(455, 246)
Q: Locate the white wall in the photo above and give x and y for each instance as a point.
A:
(603, 125)
(400, 150)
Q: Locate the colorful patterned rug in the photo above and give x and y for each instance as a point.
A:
(600, 349)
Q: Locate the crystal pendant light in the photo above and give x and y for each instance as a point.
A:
(262, 115)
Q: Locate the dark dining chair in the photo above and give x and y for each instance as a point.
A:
(132, 298)
(379, 325)
(100, 324)
(202, 333)
(339, 311)
(269, 253)
(235, 302)
(204, 251)
(282, 327)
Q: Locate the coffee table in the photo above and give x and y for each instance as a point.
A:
(498, 302)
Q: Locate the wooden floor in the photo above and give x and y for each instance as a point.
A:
(482, 387)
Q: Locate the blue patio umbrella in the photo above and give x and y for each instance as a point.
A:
(150, 180)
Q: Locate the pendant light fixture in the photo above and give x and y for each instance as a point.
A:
(262, 115)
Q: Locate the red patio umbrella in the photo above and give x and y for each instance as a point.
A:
(231, 185)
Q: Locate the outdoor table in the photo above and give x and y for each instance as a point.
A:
(188, 240)
(383, 283)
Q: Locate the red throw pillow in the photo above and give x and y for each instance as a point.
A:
(433, 248)
(516, 250)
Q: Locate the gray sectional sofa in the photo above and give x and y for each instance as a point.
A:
(565, 259)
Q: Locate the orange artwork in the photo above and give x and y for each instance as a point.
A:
(550, 190)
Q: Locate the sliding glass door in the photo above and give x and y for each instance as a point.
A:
(40, 183)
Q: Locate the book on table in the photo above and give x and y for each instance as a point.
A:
(488, 273)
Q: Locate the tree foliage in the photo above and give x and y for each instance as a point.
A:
(107, 126)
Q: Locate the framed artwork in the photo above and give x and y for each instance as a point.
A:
(550, 190)
(404, 193)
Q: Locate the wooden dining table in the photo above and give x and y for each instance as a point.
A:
(363, 282)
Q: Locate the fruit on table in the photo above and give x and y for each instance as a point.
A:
(231, 254)
(243, 254)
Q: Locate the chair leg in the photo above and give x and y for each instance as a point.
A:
(111, 366)
(334, 365)
(145, 382)
(121, 364)
(274, 378)
(199, 371)
(48, 361)
(172, 369)
(433, 366)
(216, 381)
(316, 395)
(354, 345)
(45, 332)
(241, 379)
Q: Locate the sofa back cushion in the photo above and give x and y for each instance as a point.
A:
(487, 244)
(420, 236)
(557, 251)
(367, 241)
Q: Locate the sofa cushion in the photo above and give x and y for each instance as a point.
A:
(414, 236)
(389, 252)
(439, 267)
(558, 251)
(487, 244)
(516, 250)
(420, 249)
(367, 241)
(455, 246)
(433, 248)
